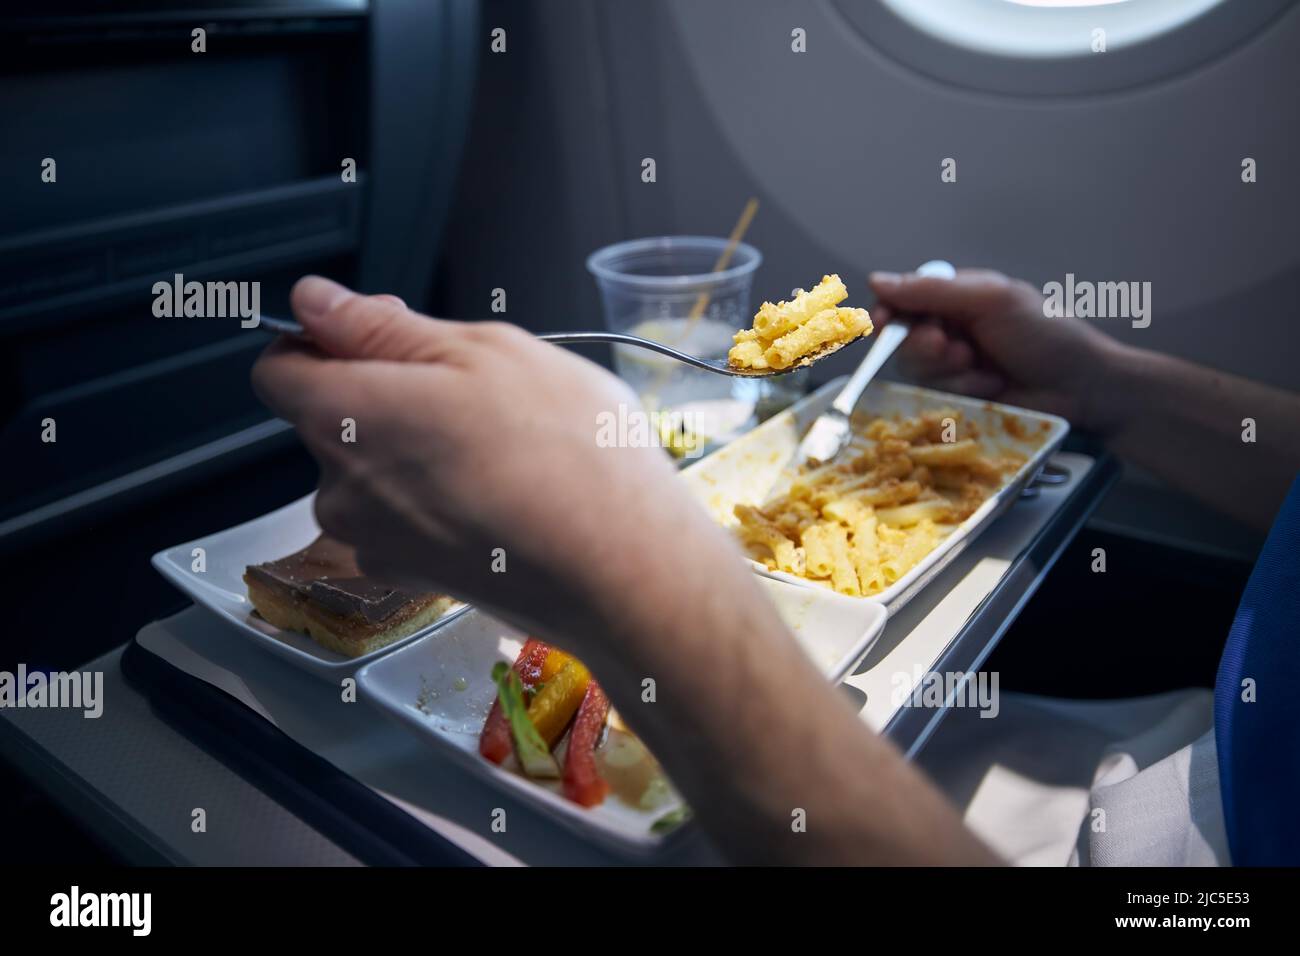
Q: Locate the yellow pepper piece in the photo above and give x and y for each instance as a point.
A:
(553, 664)
(556, 703)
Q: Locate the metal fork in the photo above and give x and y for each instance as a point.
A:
(718, 366)
(831, 432)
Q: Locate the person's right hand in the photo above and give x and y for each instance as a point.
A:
(985, 335)
(476, 444)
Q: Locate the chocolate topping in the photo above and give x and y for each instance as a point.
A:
(326, 573)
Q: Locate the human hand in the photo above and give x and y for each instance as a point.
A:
(985, 335)
(471, 437)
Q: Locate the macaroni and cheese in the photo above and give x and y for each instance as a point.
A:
(862, 522)
(810, 323)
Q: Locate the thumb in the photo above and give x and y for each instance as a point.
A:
(967, 295)
(345, 324)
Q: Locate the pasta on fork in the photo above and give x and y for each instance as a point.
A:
(812, 321)
(860, 523)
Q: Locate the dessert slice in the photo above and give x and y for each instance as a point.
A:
(321, 592)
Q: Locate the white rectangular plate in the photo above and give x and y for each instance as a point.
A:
(220, 587)
(747, 469)
(440, 686)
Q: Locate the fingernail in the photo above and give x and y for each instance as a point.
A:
(886, 280)
(314, 296)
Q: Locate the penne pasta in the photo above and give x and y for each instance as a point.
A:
(747, 355)
(892, 492)
(832, 325)
(859, 525)
(773, 321)
(905, 516)
(945, 453)
(759, 529)
(865, 552)
(789, 331)
(844, 577)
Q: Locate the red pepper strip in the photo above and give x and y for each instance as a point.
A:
(495, 742)
(583, 783)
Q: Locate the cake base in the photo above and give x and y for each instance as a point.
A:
(350, 636)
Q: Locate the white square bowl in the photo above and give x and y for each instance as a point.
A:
(220, 586)
(747, 470)
(440, 687)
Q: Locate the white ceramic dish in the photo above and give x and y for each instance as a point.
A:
(220, 587)
(747, 469)
(440, 687)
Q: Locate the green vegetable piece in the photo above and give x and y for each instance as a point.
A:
(534, 756)
(671, 820)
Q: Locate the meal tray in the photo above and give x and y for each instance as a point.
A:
(234, 727)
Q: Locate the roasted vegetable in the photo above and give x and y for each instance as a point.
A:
(583, 783)
(553, 664)
(495, 742)
(556, 702)
(531, 749)
(671, 820)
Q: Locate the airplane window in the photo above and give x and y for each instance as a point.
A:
(1047, 28)
(1056, 47)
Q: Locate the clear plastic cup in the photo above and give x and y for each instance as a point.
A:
(649, 288)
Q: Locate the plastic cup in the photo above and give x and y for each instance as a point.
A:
(649, 288)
